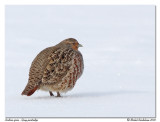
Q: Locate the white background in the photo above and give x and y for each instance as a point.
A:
(118, 74)
(119, 58)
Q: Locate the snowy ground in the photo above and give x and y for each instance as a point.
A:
(119, 57)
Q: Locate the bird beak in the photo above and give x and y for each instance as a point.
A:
(79, 45)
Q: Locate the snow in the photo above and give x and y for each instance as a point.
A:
(119, 58)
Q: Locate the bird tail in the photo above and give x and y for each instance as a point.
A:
(29, 90)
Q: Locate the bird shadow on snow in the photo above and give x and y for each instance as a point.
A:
(91, 94)
(105, 94)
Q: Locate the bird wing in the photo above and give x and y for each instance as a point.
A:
(36, 71)
(60, 62)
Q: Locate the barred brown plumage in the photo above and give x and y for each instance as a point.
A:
(56, 69)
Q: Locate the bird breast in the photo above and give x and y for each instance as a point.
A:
(64, 68)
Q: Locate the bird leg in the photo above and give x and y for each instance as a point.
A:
(51, 94)
(58, 94)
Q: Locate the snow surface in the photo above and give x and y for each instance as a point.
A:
(119, 58)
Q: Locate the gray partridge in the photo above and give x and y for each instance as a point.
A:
(56, 68)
